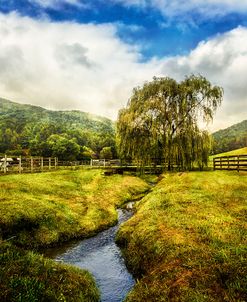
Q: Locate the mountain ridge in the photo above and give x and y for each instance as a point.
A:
(29, 127)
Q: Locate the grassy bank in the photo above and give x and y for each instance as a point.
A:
(29, 277)
(188, 239)
(47, 208)
(39, 210)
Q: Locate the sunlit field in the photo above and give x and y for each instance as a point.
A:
(43, 209)
(188, 239)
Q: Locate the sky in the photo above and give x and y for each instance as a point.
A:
(89, 55)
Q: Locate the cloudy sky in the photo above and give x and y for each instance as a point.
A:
(90, 54)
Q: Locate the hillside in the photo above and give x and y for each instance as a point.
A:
(27, 129)
(231, 138)
(240, 151)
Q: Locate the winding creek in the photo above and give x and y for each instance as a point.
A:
(102, 257)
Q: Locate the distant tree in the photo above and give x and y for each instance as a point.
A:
(87, 153)
(106, 153)
(62, 147)
(161, 120)
(8, 139)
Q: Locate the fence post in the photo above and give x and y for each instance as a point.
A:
(91, 163)
(220, 163)
(20, 164)
(55, 162)
(238, 163)
(5, 164)
(49, 163)
(41, 163)
(31, 164)
(228, 163)
(214, 163)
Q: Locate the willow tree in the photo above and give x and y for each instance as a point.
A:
(161, 121)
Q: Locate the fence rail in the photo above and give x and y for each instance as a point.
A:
(232, 162)
(13, 164)
(21, 164)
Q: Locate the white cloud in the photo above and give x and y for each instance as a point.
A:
(175, 8)
(68, 65)
(223, 60)
(87, 67)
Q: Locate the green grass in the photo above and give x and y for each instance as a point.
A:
(38, 210)
(48, 208)
(188, 239)
(240, 151)
(28, 277)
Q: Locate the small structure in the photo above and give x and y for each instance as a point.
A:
(5, 162)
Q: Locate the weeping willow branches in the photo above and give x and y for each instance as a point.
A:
(161, 121)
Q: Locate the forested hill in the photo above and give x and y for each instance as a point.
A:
(27, 129)
(231, 138)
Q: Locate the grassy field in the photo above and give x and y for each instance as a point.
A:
(39, 210)
(233, 152)
(48, 208)
(188, 239)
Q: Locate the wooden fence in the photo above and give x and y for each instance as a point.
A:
(233, 162)
(21, 164)
(12, 164)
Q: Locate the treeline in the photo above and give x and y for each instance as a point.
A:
(75, 135)
(231, 138)
(69, 135)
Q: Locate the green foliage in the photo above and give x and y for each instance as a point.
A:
(188, 239)
(87, 153)
(106, 153)
(30, 129)
(231, 138)
(161, 121)
(28, 277)
(63, 147)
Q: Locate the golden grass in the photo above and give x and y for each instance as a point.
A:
(188, 239)
(43, 209)
(240, 151)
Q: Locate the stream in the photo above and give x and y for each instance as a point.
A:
(102, 257)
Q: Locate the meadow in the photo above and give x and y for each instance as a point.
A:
(49, 208)
(231, 153)
(40, 210)
(188, 239)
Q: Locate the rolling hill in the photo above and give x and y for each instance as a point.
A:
(27, 129)
(231, 138)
